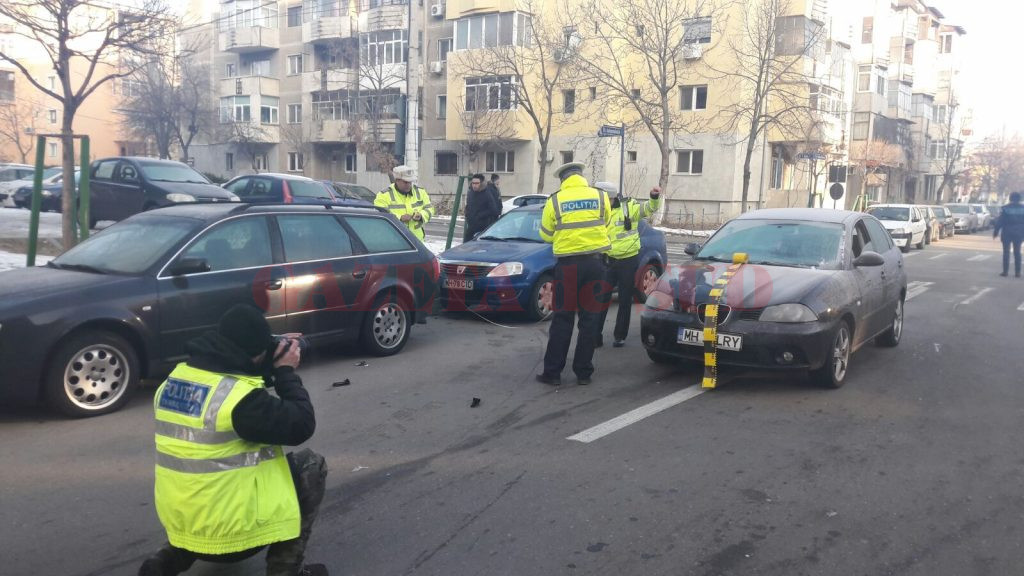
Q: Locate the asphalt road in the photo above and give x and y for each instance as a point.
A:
(913, 468)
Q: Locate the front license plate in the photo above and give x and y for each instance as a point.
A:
(696, 338)
(458, 283)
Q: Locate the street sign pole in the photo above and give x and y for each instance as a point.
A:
(622, 160)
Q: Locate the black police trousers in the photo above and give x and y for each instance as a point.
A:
(622, 277)
(579, 289)
(1014, 243)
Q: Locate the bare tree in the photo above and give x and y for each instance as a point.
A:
(18, 126)
(102, 41)
(767, 73)
(196, 113)
(637, 55)
(952, 132)
(997, 164)
(377, 105)
(249, 138)
(871, 157)
(484, 129)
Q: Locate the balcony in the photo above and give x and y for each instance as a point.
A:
(389, 15)
(250, 85)
(326, 29)
(253, 132)
(246, 40)
(328, 131)
(337, 79)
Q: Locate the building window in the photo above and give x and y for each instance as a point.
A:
(631, 156)
(501, 162)
(490, 93)
(7, 85)
(295, 64)
(259, 68)
(442, 106)
(260, 162)
(235, 109)
(350, 163)
(635, 93)
(294, 16)
(908, 53)
(826, 99)
(945, 43)
(567, 156)
(941, 113)
(53, 115)
(778, 169)
(593, 92)
(229, 161)
(53, 81)
(880, 82)
(568, 101)
(446, 163)
(243, 14)
(689, 161)
(936, 149)
(694, 97)
(697, 30)
(384, 47)
(867, 30)
(861, 125)
(230, 71)
(294, 113)
(268, 109)
(295, 161)
(490, 30)
(53, 149)
(864, 78)
(444, 46)
(640, 30)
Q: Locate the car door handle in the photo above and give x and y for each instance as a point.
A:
(359, 274)
(273, 284)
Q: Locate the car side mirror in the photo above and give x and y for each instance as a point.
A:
(869, 258)
(691, 249)
(189, 266)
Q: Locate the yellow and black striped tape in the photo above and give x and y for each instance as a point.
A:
(711, 320)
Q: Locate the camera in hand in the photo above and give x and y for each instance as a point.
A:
(302, 343)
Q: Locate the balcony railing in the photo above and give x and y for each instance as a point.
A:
(336, 79)
(326, 29)
(250, 85)
(244, 40)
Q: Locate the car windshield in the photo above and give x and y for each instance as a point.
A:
(308, 189)
(128, 247)
(165, 172)
(362, 192)
(774, 242)
(959, 209)
(890, 213)
(518, 225)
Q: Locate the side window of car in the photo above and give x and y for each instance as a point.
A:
(127, 173)
(379, 235)
(861, 239)
(238, 243)
(105, 170)
(313, 237)
(881, 241)
(238, 187)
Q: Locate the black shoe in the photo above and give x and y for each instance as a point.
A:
(549, 380)
(313, 570)
(152, 567)
(1004, 274)
(618, 344)
(583, 381)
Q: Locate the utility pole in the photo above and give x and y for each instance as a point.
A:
(413, 73)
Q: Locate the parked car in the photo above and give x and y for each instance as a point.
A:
(985, 218)
(9, 187)
(356, 190)
(965, 218)
(81, 331)
(993, 210)
(819, 285)
(905, 222)
(523, 200)
(123, 186)
(13, 173)
(272, 188)
(947, 224)
(52, 194)
(507, 267)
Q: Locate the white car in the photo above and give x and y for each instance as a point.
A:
(905, 223)
(14, 176)
(523, 200)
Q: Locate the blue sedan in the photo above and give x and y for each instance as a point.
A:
(508, 268)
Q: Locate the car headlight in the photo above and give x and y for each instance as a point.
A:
(178, 197)
(507, 269)
(233, 198)
(788, 313)
(898, 231)
(47, 193)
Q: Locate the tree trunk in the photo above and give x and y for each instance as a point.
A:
(747, 155)
(67, 230)
(542, 171)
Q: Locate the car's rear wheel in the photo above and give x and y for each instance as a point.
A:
(891, 337)
(833, 373)
(386, 326)
(648, 280)
(541, 297)
(92, 373)
(924, 238)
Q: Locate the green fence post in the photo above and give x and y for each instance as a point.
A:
(455, 212)
(82, 206)
(37, 202)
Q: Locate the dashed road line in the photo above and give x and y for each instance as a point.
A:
(1021, 308)
(972, 299)
(636, 415)
(940, 255)
(979, 258)
(916, 288)
(909, 254)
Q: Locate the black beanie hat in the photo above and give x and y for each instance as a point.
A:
(245, 326)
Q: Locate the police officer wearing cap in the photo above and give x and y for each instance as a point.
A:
(623, 258)
(407, 201)
(575, 221)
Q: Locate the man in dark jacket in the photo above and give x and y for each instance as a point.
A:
(1011, 223)
(482, 207)
(224, 487)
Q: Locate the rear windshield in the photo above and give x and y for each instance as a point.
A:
(890, 213)
(308, 189)
(959, 209)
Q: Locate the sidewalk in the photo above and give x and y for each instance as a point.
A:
(11, 260)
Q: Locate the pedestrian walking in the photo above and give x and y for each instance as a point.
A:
(224, 487)
(575, 221)
(482, 208)
(623, 258)
(407, 201)
(1011, 224)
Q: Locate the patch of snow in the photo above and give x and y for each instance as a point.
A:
(11, 260)
(684, 232)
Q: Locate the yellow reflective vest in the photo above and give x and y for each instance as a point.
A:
(401, 204)
(626, 243)
(576, 219)
(216, 493)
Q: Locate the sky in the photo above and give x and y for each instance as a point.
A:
(989, 83)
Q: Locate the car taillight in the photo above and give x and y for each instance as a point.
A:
(287, 192)
(437, 269)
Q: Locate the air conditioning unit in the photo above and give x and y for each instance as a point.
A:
(437, 10)
(437, 67)
(692, 51)
(560, 55)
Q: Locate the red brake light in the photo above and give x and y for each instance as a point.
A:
(437, 269)
(287, 192)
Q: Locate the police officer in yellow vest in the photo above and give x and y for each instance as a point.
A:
(623, 257)
(407, 201)
(224, 487)
(575, 220)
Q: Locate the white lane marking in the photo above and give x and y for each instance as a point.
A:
(940, 255)
(634, 416)
(938, 348)
(975, 297)
(1021, 308)
(979, 258)
(909, 254)
(916, 288)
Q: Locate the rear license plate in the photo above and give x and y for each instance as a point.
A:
(696, 338)
(458, 283)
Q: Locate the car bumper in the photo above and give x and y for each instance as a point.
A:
(487, 295)
(901, 240)
(962, 225)
(21, 360)
(764, 343)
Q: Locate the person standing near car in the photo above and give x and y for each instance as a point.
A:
(482, 208)
(1011, 224)
(407, 201)
(224, 487)
(623, 258)
(575, 221)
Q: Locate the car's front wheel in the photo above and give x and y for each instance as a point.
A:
(648, 280)
(924, 237)
(891, 337)
(91, 373)
(541, 296)
(833, 373)
(386, 326)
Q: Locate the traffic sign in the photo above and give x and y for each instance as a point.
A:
(811, 155)
(608, 131)
(835, 191)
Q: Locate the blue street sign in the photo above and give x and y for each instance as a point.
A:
(811, 156)
(607, 131)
